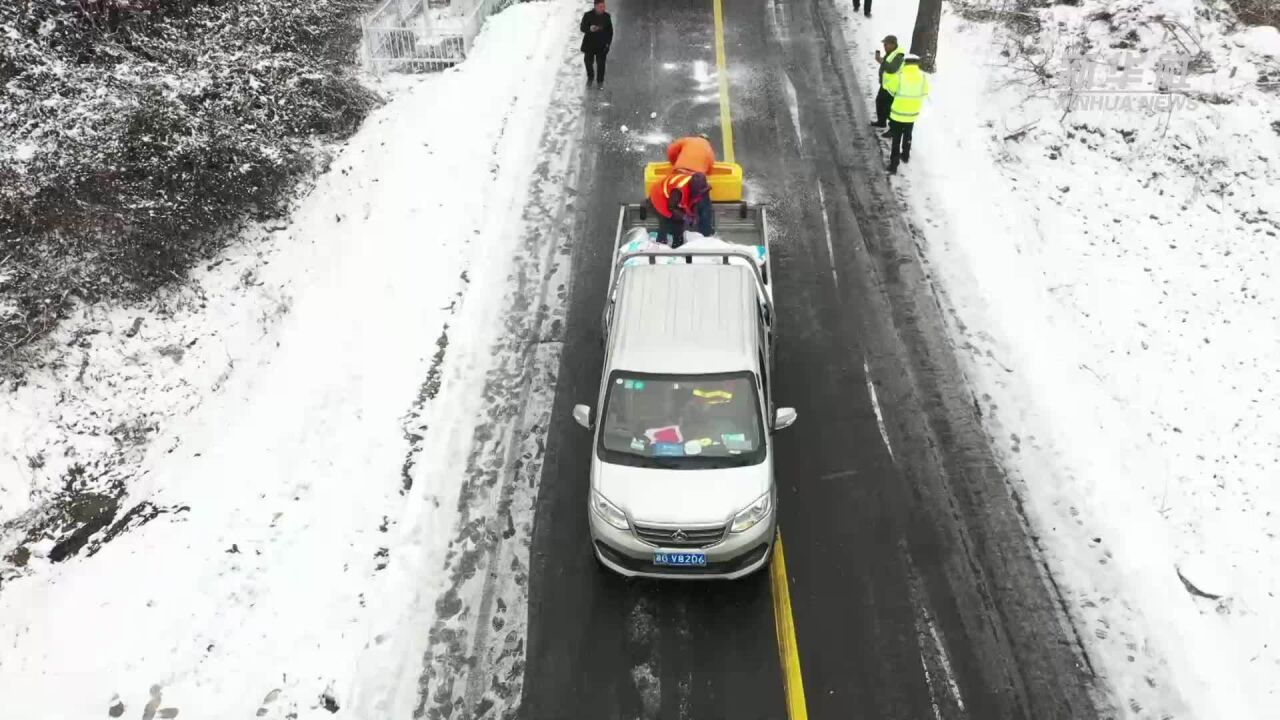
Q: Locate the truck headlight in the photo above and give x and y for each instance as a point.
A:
(608, 512)
(755, 512)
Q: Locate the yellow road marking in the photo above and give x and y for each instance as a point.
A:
(726, 120)
(788, 649)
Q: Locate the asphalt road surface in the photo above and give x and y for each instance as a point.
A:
(916, 590)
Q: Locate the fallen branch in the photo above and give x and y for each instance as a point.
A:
(1021, 131)
(84, 365)
(1192, 588)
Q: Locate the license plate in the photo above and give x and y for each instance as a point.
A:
(684, 559)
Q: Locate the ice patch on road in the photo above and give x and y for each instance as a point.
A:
(649, 687)
(875, 404)
(642, 635)
(703, 75)
(793, 107)
(826, 231)
(649, 139)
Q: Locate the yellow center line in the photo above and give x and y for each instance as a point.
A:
(726, 120)
(784, 623)
(788, 649)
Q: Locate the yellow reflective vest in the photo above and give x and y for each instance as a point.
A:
(909, 88)
(888, 60)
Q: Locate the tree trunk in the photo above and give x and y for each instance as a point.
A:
(924, 38)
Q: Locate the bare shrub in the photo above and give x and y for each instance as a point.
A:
(136, 134)
(1257, 12)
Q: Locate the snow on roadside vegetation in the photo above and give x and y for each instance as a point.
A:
(263, 462)
(1111, 278)
(137, 135)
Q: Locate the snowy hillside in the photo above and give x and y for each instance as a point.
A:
(135, 135)
(261, 463)
(1094, 188)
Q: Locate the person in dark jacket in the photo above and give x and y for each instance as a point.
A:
(597, 36)
(890, 64)
(857, 5)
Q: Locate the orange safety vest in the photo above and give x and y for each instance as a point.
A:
(660, 196)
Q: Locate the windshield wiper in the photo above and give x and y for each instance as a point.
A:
(666, 463)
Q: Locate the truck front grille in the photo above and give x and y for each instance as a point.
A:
(679, 537)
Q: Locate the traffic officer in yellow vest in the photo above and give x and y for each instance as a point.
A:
(890, 66)
(909, 88)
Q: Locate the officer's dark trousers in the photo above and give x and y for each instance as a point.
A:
(706, 224)
(901, 133)
(594, 60)
(670, 231)
(883, 102)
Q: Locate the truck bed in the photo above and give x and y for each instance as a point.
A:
(736, 223)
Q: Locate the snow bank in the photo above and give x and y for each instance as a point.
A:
(1112, 272)
(279, 404)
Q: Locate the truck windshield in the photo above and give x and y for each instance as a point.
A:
(682, 422)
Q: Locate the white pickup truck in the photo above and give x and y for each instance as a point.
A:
(682, 481)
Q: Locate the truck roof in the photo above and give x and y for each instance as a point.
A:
(697, 318)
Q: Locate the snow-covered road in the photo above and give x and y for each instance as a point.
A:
(1109, 278)
(311, 437)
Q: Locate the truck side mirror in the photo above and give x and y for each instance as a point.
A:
(582, 414)
(783, 418)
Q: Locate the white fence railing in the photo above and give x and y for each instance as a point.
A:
(417, 36)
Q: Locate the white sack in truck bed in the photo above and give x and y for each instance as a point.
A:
(639, 240)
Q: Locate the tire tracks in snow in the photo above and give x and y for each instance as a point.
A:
(474, 663)
(415, 428)
(977, 569)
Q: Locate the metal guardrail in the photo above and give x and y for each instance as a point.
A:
(416, 36)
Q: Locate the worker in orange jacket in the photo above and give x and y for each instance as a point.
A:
(683, 198)
(694, 154)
